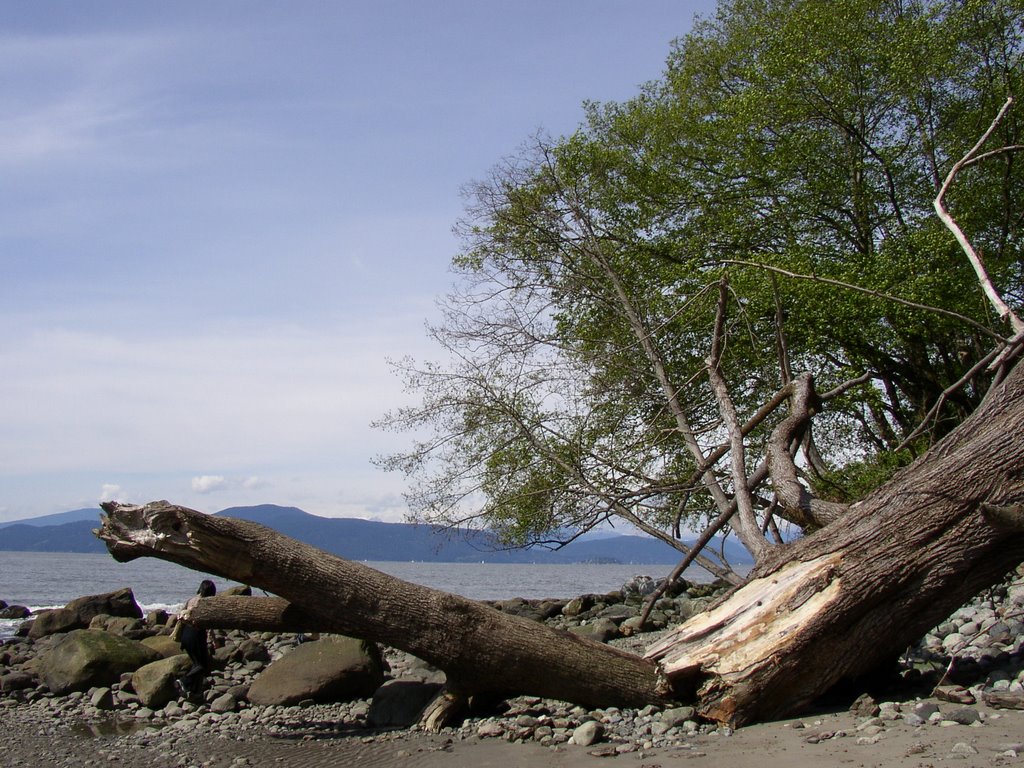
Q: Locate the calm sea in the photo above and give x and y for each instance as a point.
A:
(51, 579)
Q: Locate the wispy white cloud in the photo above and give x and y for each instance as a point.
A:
(111, 492)
(208, 483)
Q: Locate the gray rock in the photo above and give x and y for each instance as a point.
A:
(588, 733)
(102, 699)
(963, 749)
(79, 612)
(335, 668)
(154, 682)
(925, 709)
(601, 630)
(677, 716)
(964, 716)
(17, 681)
(86, 658)
(223, 704)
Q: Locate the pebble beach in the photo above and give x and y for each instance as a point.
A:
(951, 700)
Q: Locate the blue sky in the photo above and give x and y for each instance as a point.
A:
(219, 220)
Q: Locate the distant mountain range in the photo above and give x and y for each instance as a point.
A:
(361, 540)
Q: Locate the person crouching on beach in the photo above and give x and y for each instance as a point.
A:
(194, 643)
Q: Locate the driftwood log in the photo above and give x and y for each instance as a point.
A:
(829, 607)
(480, 649)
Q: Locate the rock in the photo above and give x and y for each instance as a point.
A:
(241, 591)
(963, 749)
(964, 716)
(79, 612)
(618, 613)
(118, 625)
(865, 706)
(223, 704)
(490, 730)
(675, 717)
(335, 668)
(588, 733)
(14, 612)
(157, 618)
(154, 682)
(578, 605)
(601, 630)
(86, 658)
(401, 702)
(955, 694)
(17, 681)
(102, 698)
(639, 586)
(163, 644)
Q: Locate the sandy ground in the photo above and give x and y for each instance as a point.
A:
(799, 743)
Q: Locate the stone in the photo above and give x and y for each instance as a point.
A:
(401, 702)
(163, 644)
(102, 698)
(17, 681)
(588, 733)
(154, 682)
(490, 730)
(15, 612)
(335, 668)
(964, 716)
(223, 704)
(964, 749)
(601, 630)
(79, 612)
(865, 706)
(86, 658)
(675, 717)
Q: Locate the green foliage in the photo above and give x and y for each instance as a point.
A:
(791, 146)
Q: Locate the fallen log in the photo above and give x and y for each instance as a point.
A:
(480, 649)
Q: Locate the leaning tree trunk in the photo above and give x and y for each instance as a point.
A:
(828, 607)
(861, 590)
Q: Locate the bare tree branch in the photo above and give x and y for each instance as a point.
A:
(1001, 307)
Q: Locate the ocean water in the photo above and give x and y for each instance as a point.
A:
(52, 579)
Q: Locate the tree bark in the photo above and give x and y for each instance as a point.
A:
(855, 594)
(480, 649)
(831, 606)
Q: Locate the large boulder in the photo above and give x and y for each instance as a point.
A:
(153, 683)
(87, 658)
(14, 612)
(79, 612)
(336, 668)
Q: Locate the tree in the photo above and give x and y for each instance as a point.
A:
(728, 213)
(657, 312)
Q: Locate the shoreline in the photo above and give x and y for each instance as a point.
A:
(904, 726)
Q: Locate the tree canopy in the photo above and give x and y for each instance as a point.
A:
(728, 304)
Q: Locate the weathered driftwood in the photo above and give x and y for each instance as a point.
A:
(480, 649)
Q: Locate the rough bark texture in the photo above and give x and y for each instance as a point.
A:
(480, 649)
(855, 594)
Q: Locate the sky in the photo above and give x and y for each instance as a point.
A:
(219, 221)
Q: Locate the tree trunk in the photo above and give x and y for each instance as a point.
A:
(480, 649)
(860, 591)
(831, 606)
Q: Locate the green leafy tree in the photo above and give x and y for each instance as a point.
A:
(655, 310)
